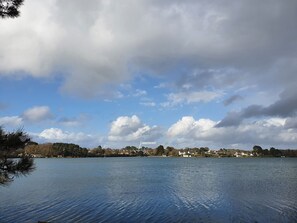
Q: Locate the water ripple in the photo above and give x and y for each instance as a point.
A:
(154, 190)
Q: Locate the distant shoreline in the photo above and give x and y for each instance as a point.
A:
(179, 157)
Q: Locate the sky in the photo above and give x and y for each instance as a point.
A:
(189, 73)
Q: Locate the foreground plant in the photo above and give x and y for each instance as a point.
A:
(11, 144)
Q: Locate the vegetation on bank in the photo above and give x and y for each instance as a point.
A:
(73, 150)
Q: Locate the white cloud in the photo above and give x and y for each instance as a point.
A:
(109, 42)
(186, 132)
(34, 114)
(273, 122)
(195, 45)
(131, 129)
(190, 97)
(139, 93)
(73, 121)
(13, 121)
(148, 104)
(202, 132)
(37, 113)
(188, 126)
(58, 135)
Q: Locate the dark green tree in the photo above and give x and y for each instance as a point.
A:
(257, 150)
(265, 152)
(69, 150)
(10, 8)
(160, 150)
(275, 152)
(99, 151)
(10, 168)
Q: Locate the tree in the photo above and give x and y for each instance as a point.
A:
(97, 151)
(275, 152)
(10, 8)
(257, 150)
(160, 150)
(10, 168)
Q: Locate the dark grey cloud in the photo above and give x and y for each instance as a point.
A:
(231, 119)
(232, 99)
(291, 123)
(285, 106)
(204, 78)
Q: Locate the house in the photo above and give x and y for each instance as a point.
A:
(242, 154)
(184, 153)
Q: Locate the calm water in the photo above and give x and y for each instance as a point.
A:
(154, 190)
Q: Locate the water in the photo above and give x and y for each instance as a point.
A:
(154, 190)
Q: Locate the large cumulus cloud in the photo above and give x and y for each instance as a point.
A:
(203, 132)
(58, 135)
(99, 44)
(131, 129)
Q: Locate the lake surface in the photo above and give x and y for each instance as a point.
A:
(154, 190)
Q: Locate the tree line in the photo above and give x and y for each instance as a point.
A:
(55, 150)
(73, 150)
(273, 152)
